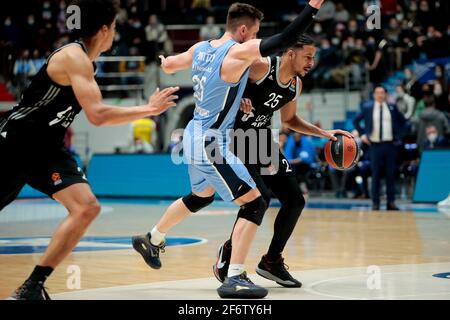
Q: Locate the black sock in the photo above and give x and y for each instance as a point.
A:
(273, 257)
(40, 273)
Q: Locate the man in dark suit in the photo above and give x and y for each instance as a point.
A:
(383, 124)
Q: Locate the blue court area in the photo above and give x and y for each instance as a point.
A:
(28, 245)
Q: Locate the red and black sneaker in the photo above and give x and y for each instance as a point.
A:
(277, 271)
(220, 268)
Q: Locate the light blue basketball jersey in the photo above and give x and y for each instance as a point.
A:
(216, 101)
(216, 105)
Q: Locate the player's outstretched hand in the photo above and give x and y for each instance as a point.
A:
(164, 64)
(160, 101)
(316, 3)
(331, 134)
(246, 105)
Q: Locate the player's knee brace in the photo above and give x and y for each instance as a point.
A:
(254, 210)
(195, 203)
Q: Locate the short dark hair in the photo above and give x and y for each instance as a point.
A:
(380, 86)
(94, 14)
(302, 40)
(239, 12)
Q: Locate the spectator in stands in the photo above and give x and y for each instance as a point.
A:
(30, 32)
(431, 117)
(326, 15)
(61, 19)
(376, 55)
(393, 31)
(200, 9)
(23, 69)
(157, 38)
(440, 90)
(382, 129)
(282, 140)
(143, 135)
(436, 45)
(135, 33)
(341, 14)
(354, 30)
(326, 59)
(424, 14)
(434, 139)
(132, 66)
(318, 33)
(10, 32)
(69, 139)
(210, 30)
(38, 61)
(405, 102)
(338, 179)
(301, 153)
(357, 177)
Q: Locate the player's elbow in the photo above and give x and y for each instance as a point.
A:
(289, 122)
(96, 119)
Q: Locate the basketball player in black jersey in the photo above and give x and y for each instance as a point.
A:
(32, 133)
(274, 84)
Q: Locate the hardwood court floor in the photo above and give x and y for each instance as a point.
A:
(326, 244)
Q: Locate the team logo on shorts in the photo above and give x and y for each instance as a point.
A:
(56, 177)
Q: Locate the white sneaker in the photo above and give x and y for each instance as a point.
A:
(445, 202)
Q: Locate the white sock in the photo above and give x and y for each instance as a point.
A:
(235, 270)
(157, 237)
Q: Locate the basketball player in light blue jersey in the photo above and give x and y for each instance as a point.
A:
(219, 74)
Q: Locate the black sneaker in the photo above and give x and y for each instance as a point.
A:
(277, 271)
(30, 290)
(149, 251)
(220, 268)
(241, 287)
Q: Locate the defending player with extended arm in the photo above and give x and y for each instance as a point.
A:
(242, 55)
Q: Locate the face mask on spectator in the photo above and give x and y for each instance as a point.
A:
(31, 21)
(437, 90)
(335, 41)
(399, 16)
(432, 137)
(7, 22)
(317, 28)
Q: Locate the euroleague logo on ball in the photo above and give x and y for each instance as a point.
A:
(56, 178)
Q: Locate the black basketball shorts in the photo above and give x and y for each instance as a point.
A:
(46, 169)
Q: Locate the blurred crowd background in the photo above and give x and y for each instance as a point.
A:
(409, 55)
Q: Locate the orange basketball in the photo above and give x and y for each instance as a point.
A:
(343, 153)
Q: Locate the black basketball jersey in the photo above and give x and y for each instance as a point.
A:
(45, 111)
(267, 95)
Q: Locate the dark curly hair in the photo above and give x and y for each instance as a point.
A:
(94, 14)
